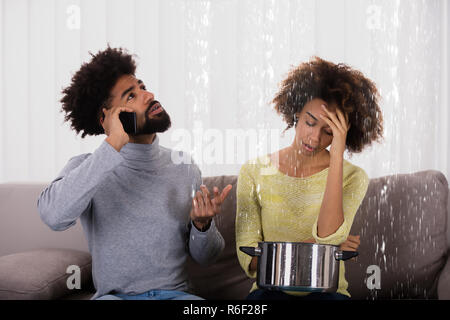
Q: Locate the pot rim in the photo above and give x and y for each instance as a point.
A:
(298, 243)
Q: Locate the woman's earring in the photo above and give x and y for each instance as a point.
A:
(295, 120)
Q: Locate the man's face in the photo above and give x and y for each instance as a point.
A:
(150, 115)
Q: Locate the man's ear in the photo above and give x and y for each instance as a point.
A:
(102, 117)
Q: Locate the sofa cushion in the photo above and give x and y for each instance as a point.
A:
(41, 274)
(224, 279)
(402, 223)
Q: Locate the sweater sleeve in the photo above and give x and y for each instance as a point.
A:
(204, 247)
(353, 194)
(248, 217)
(70, 194)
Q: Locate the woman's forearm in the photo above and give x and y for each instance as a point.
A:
(331, 214)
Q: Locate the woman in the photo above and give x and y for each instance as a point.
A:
(305, 193)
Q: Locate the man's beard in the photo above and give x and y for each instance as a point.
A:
(160, 123)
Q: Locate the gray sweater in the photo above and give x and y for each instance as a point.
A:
(134, 208)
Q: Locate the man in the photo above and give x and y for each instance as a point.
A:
(142, 214)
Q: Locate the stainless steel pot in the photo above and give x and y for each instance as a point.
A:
(298, 266)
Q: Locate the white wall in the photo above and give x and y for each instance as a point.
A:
(216, 65)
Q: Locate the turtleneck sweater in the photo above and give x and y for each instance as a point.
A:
(134, 208)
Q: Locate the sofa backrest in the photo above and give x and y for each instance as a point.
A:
(402, 222)
(21, 228)
(224, 279)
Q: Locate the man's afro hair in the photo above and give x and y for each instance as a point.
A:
(90, 89)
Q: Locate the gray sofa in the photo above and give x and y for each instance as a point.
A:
(403, 223)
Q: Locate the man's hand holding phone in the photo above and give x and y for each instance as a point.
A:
(117, 137)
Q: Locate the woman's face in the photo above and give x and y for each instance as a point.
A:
(312, 134)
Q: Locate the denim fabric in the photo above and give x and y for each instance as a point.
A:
(152, 295)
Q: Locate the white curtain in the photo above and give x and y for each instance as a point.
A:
(215, 66)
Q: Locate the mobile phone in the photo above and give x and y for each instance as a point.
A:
(128, 120)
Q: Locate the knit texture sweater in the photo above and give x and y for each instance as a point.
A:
(134, 207)
(272, 206)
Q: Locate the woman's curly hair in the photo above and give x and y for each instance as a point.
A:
(352, 92)
(90, 89)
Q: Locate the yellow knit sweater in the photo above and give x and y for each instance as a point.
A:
(272, 206)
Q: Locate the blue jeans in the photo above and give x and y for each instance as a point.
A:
(263, 294)
(152, 295)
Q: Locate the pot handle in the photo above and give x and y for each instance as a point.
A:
(345, 255)
(251, 251)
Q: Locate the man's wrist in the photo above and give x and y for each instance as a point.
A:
(202, 226)
(115, 143)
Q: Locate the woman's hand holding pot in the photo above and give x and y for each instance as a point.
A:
(351, 244)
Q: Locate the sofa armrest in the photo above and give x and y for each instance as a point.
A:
(42, 274)
(444, 282)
